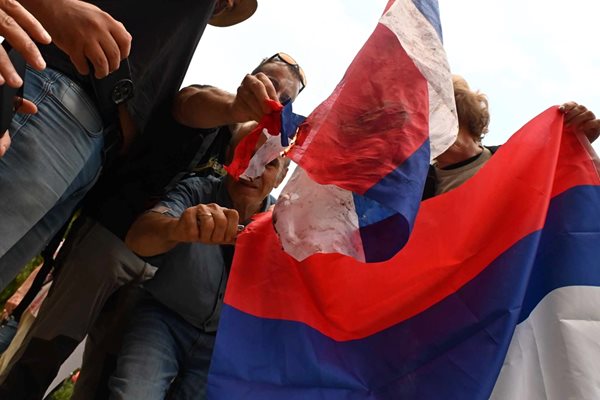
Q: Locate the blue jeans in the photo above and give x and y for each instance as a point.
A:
(8, 330)
(163, 356)
(54, 159)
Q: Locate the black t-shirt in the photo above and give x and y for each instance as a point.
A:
(165, 35)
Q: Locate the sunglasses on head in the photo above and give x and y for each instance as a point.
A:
(287, 59)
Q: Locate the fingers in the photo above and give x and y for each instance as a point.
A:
(579, 116)
(580, 119)
(17, 25)
(269, 87)
(245, 108)
(206, 223)
(591, 129)
(123, 39)
(26, 107)
(252, 95)
(117, 46)
(112, 53)
(231, 230)
(574, 112)
(568, 106)
(217, 225)
(106, 53)
(26, 21)
(4, 143)
(99, 60)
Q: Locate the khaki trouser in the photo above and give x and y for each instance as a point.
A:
(93, 264)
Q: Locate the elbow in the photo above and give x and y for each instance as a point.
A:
(179, 104)
(178, 108)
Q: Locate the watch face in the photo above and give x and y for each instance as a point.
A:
(122, 91)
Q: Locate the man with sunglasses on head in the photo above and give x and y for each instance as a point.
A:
(205, 212)
(190, 236)
(94, 262)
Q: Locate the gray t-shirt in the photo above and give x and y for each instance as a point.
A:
(191, 278)
(448, 179)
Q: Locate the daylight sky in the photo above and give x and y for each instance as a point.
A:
(525, 55)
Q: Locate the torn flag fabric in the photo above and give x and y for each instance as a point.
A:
(496, 294)
(279, 127)
(364, 152)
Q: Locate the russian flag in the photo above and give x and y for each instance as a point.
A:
(364, 152)
(496, 294)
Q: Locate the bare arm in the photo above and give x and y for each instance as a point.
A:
(209, 107)
(154, 233)
(190, 101)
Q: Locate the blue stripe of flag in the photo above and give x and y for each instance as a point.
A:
(453, 350)
(431, 11)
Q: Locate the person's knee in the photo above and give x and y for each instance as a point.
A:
(94, 254)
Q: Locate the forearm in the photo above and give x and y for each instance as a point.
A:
(150, 234)
(204, 107)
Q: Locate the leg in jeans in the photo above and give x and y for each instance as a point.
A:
(192, 379)
(151, 354)
(92, 266)
(55, 155)
(104, 342)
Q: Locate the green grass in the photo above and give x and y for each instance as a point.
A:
(65, 391)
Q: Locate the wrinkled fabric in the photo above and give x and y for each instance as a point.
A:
(373, 139)
(437, 319)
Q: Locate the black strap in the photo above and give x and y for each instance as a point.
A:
(40, 278)
(112, 143)
(206, 143)
(109, 92)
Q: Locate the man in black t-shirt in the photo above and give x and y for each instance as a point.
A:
(56, 154)
(94, 262)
